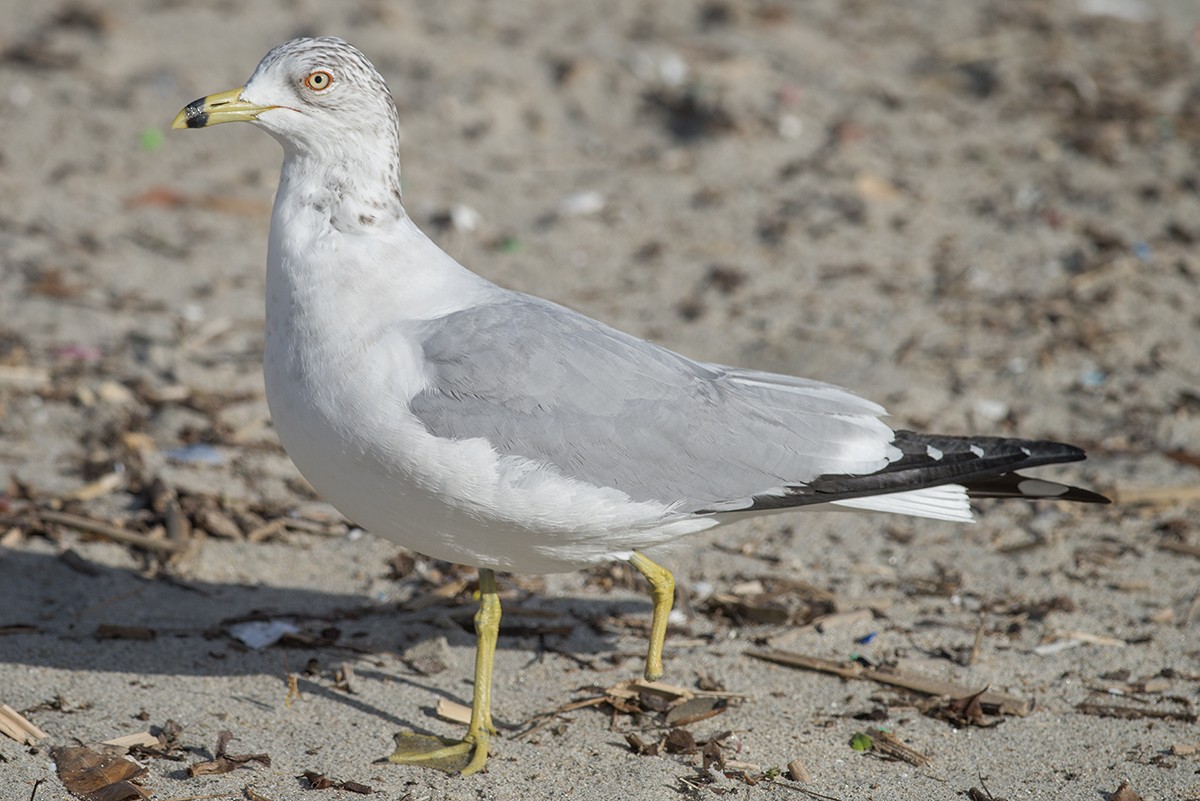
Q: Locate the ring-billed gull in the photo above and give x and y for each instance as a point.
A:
(491, 428)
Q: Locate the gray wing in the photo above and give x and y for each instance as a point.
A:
(540, 381)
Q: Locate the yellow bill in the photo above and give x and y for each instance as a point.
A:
(214, 109)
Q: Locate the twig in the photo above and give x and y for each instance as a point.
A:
(114, 533)
(19, 727)
(973, 657)
(1005, 704)
(887, 743)
(1185, 548)
(1133, 713)
(1193, 607)
(541, 720)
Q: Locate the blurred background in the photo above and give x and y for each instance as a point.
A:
(982, 214)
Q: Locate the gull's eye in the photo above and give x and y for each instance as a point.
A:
(318, 81)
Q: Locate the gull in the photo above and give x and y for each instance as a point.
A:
(492, 428)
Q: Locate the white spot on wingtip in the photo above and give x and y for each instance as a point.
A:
(978, 451)
(1026, 451)
(933, 453)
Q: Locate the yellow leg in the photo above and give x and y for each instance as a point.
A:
(662, 591)
(468, 755)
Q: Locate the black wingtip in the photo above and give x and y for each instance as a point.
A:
(1016, 485)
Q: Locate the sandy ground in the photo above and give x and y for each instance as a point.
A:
(982, 214)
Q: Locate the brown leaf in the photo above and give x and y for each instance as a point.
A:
(319, 781)
(640, 746)
(680, 741)
(98, 776)
(713, 755)
(963, 712)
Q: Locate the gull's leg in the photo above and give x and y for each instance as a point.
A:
(662, 591)
(468, 755)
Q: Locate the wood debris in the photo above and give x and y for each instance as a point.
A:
(682, 742)
(769, 600)
(960, 712)
(797, 771)
(293, 690)
(637, 688)
(168, 744)
(344, 679)
(678, 706)
(541, 721)
(1124, 792)
(102, 486)
(984, 794)
(1129, 712)
(142, 739)
(453, 711)
(888, 744)
(111, 532)
(319, 781)
(1185, 548)
(1062, 640)
(250, 793)
(18, 727)
(991, 702)
(223, 762)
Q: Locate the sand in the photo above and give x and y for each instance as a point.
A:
(983, 215)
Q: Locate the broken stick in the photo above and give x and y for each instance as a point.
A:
(1003, 703)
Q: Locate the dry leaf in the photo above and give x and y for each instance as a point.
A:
(317, 781)
(680, 741)
(98, 776)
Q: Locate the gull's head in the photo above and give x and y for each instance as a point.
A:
(313, 95)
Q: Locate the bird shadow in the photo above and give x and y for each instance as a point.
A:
(114, 619)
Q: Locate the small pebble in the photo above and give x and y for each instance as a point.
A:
(199, 453)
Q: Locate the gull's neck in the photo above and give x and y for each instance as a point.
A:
(343, 248)
(354, 183)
